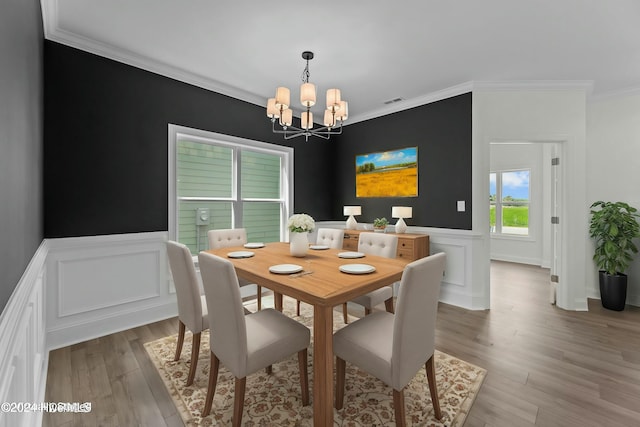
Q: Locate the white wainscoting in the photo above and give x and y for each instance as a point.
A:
(466, 277)
(103, 284)
(23, 352)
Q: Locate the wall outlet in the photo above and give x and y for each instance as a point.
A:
(461, 206)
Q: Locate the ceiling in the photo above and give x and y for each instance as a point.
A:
(373, 50)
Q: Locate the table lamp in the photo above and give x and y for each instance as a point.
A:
(401, 212)
(352, 224)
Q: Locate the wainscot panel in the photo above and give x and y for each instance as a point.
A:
(23, 355)
(103, 284)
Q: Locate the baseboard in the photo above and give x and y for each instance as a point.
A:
(106, 325)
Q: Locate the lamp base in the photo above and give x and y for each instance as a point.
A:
(351, 224)
(401, 227)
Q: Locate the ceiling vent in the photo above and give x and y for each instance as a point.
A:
(393, 101)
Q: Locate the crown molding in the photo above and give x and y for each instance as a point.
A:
(616, 94)
(413, 102)
(54, 33)
(534, 85)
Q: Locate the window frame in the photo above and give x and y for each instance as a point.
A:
(499, 204)
(237, 144)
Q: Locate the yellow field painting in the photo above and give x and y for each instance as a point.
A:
(392, 183)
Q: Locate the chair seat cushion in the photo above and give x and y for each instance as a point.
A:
(271, 337)
(374, 298)
(367, 343)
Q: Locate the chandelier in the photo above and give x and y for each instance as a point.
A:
(278, 110)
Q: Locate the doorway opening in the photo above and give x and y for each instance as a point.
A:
(526, 200)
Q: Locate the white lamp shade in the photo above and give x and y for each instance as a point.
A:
(333, 99)
(287, 117)
(306, 120)
(401, 212)
(329, 118)
(352, 210)
(343, 111)
(308, 94)
(272, 110)
(283, 97)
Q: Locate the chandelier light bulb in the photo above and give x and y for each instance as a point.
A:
(283, 98)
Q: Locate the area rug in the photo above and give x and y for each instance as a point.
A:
(274, 400)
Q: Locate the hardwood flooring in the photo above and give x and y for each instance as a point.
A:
(546, 366)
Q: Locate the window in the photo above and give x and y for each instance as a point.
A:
(218, 181)
(509, 193)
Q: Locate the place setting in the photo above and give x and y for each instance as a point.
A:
(351, 255)
(240, 254)
(357, 268)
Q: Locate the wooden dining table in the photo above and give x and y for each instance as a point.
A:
(322, 285)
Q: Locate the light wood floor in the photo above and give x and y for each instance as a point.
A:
(546, 366)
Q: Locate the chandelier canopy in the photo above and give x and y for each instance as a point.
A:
(278, 110)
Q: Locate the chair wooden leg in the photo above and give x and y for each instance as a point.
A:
(297, 307)
(340, 374)
(344, 313)
(388, 305)
(195, 352)
(398, 406)
(367, 311)
(433, 389)
(304, 376)
(238, 402)
(181, 330)
(259, 292)
(211, 389)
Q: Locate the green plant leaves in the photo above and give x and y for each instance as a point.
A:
(613, 226)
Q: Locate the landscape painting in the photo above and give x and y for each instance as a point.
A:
(388, 173)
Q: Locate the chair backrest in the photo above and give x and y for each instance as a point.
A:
(415, 318)
(380, 244)
(185, 279)
(228, 339)
(332, 237)
(227, 237)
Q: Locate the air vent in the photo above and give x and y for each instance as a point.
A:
(393, 101)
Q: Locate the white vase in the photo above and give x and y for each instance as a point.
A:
(298, 244)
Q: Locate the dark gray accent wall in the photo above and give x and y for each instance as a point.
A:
(21, 39)
(105, 152)
(442, 133)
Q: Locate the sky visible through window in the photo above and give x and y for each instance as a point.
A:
(514, 184)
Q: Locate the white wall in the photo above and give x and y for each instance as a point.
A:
(524, 249)
(547, 116)
(613, 165)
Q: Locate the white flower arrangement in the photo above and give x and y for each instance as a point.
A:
(301, 223)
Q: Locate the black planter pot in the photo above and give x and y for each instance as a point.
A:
(613, 290)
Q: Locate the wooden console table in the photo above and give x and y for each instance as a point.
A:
(410, 246)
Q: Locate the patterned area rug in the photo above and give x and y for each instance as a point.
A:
(275, 399)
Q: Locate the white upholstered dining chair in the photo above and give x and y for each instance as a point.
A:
(192, 307)
(332, 237)
(228, 237)
(393, 347)
(246, 344)
(380, 244)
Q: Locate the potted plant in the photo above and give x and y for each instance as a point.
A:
(380, 224)
(613, 226)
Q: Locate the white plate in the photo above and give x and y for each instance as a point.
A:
(254, 245)
(285, 268)
(351, 254)
(240, 254)
(318, 247)
(357, 268)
